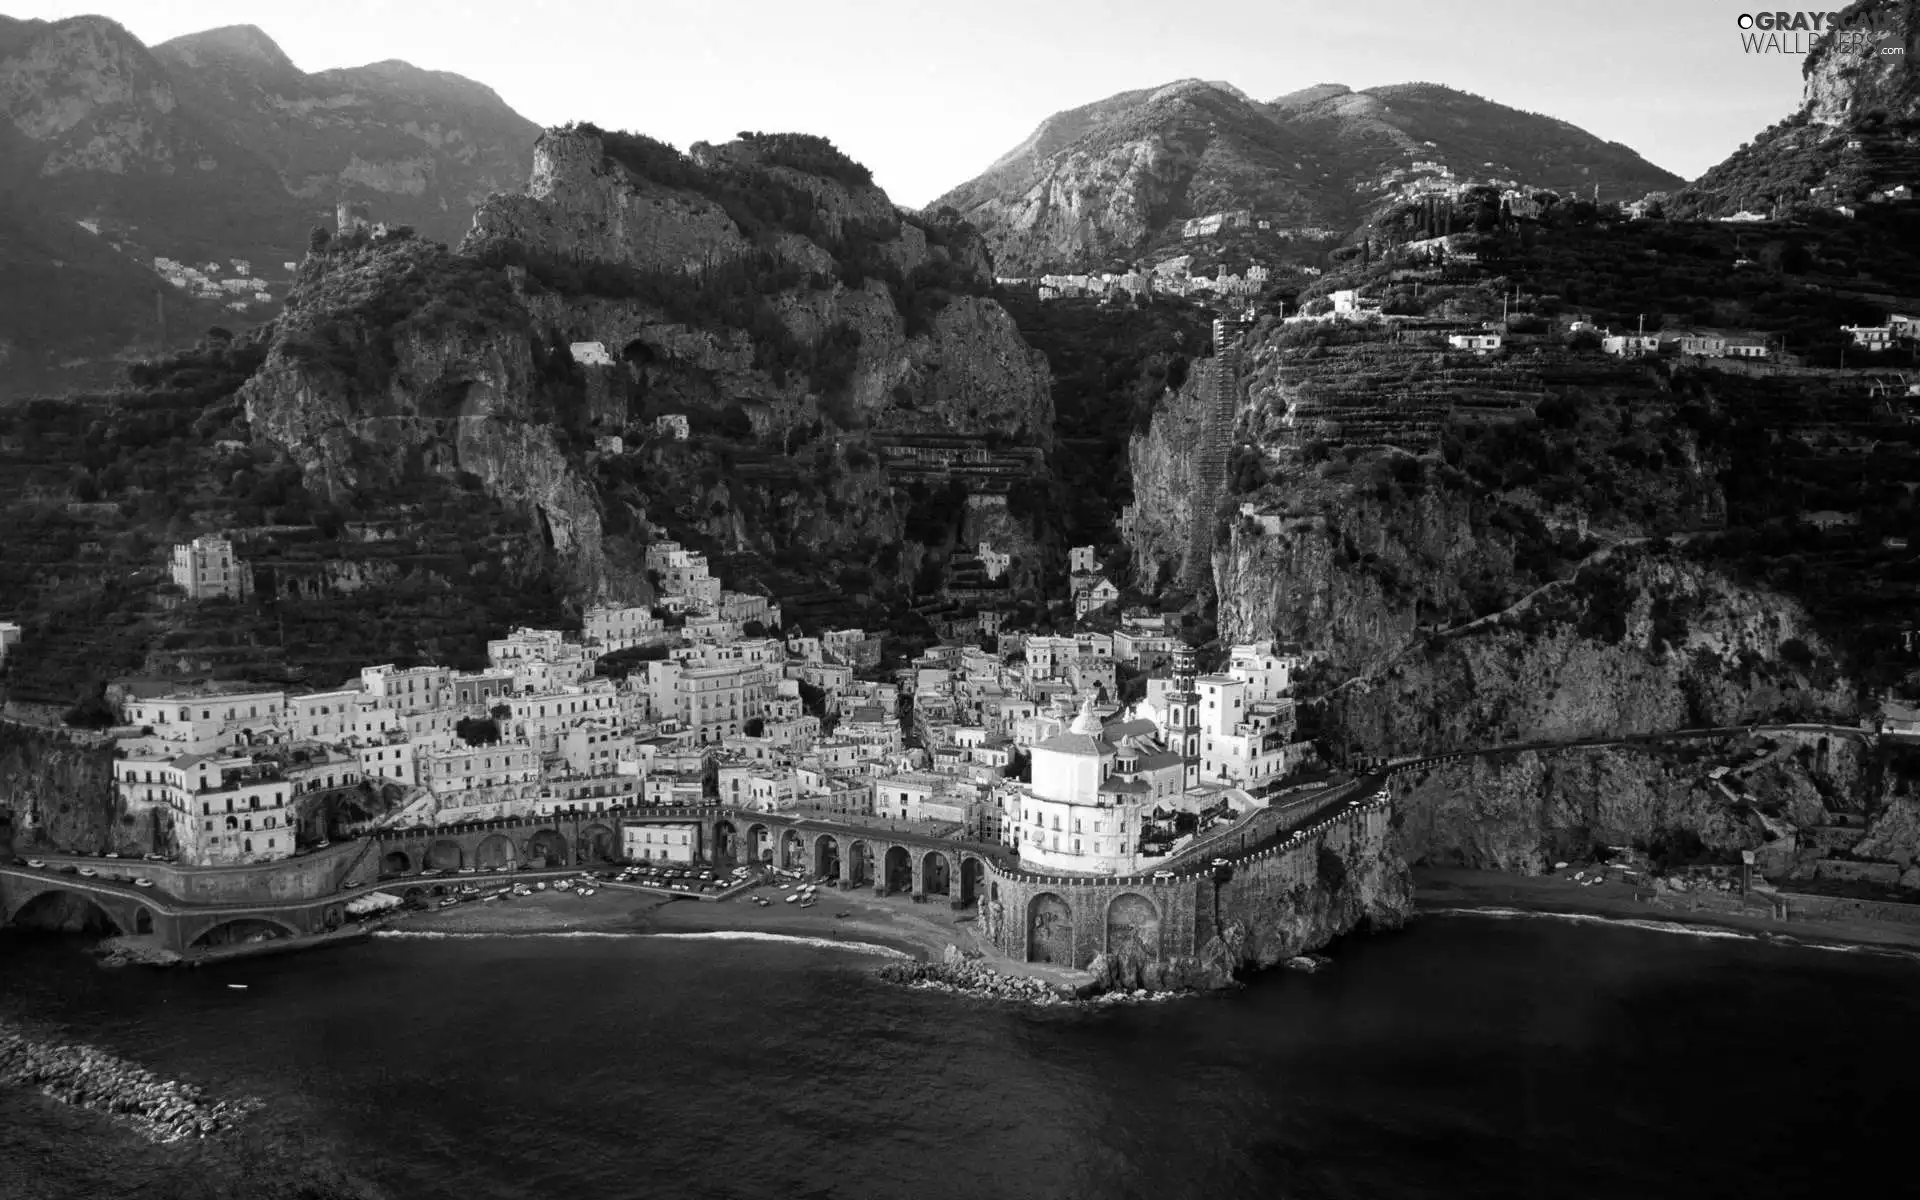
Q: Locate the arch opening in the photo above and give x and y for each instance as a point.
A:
(547, 849)
(446, 855)
(598, 844)
(1050, 930)
(826, 856)
(60, 911)
(793, 850)
(726, 844)
(396, 862)
(898, 870)
(859, 870)
(936, 877)
(245, 931)
(495, 853)
(759, 845)
(972, 871)
(1133, 927)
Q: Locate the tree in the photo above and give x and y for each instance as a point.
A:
(478, 731)
(754, 727)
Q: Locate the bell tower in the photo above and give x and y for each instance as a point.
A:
(1183, 714)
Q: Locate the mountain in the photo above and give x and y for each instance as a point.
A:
(1856, 132)
(428, 444)
(214, 153)
(1117, 179)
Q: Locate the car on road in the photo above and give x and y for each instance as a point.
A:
(1162, 876)
(1221, 862)
(143, 881)
(35, 863)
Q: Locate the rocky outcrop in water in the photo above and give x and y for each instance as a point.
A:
(160, 1110)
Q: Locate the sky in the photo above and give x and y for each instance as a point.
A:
(928, 95)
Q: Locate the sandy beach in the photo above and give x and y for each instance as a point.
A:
(923, 931)
(1438, 888)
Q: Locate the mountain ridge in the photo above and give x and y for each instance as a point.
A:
(213, 153)
(1110, 179)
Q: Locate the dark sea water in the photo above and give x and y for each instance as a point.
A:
(1464, 1057)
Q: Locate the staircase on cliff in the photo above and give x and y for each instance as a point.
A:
(1220, 400)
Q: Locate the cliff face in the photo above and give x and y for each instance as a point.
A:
(1806, 804)
(1852, 75)
(398, 360)
(454, 399)
(1158, 524)
(63, 796)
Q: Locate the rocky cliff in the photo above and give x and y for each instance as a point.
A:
(792, 315)
(62, 795)
(1856, 132)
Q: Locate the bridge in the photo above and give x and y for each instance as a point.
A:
(121, 908)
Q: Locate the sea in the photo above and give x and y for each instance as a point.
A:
(1476, 1055)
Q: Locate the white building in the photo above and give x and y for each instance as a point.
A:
(621, 628)
(1065, 822)
(659, 842)
(207, 568)
(218, 811)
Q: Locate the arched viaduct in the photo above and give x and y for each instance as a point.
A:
(854, 855)
(562, 840)
(121, 908)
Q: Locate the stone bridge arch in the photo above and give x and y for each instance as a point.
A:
(598, 844)
(826, 856)
(495, 852)
(858, 868)
(548, 848)
(936, 874)
(972, 872)
(445, 855)
(1050, 929)
(896, 871)
(726, 844)
(1133, 926)
(793, 851)
(68, 910)
(396, 861)
(759, 844)
(241, 930)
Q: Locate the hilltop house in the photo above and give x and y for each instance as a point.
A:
(1870, 337)
(207, 568)
(1479, 343)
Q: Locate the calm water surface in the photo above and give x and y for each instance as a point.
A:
(1464, 1057)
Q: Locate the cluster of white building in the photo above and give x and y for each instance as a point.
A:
(750, 719)
(1172, 277)
(240, 289)
(1898, 328)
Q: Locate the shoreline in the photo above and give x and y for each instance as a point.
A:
(862, 922)
(1452, 890)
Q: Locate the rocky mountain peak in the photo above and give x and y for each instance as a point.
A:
(1847, 73)
(244, 46)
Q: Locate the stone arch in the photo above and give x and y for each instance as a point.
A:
(896, 873)
(333, 917)
(1050, 929)
(446, 855)
(726, 843)
(243, 930)
(1133, 926)
(597, 844)
(396, 862)
(972, 870)
(859, 864)
(826, 856)
(936, 874)
(495, 852)
(143, 920)
(58, 910)
(759, 844)
(793, 850)
(547, 848)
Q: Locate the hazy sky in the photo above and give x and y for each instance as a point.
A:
(928, 95)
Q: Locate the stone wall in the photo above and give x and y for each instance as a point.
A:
(1205, 925)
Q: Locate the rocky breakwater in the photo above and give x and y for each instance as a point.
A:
(961, 973)
(161, 1110)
